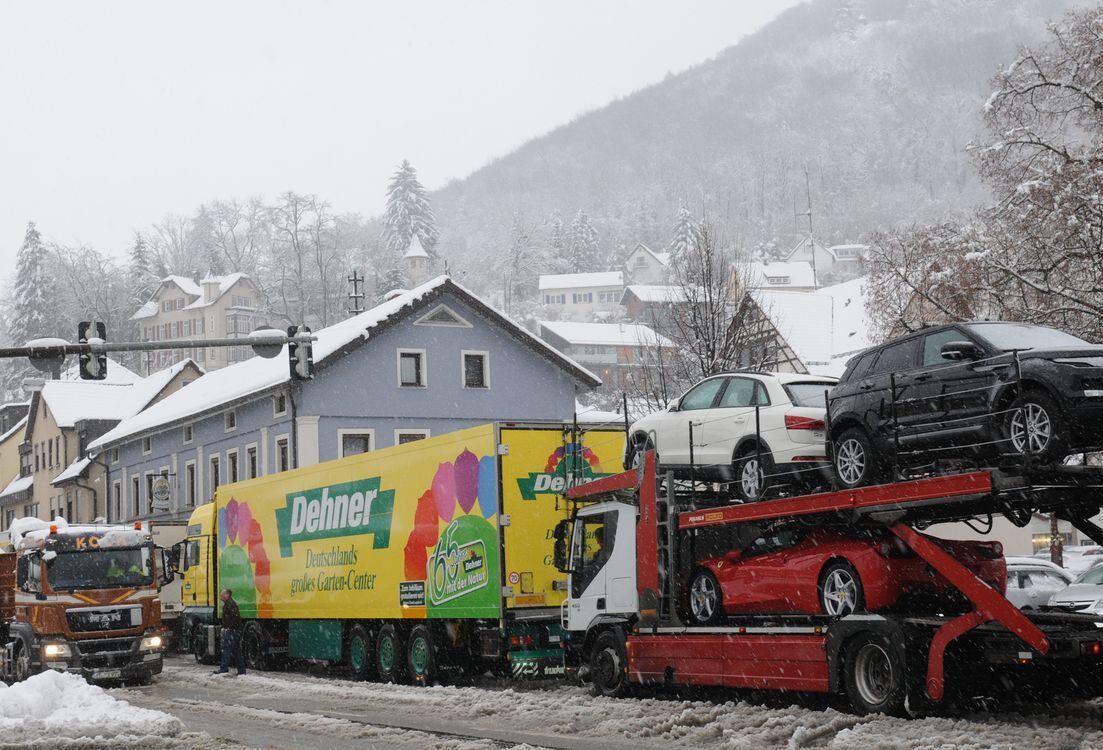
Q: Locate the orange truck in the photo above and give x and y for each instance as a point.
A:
(81, 599)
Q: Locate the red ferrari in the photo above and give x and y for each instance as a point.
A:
(823, 571)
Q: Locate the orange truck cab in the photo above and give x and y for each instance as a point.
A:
(81, 599)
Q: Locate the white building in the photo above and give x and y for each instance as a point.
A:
(827, 260)
(645, 266)
(795, 276)
(614, 351)
(581, 296)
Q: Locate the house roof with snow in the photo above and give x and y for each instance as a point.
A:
(194, 291)
(779, 275)
(662, 258)
(116, 373)
(605, 334)
(656, 294)
(250, 378)
(581, 280)
(416, 249)
(17, 485)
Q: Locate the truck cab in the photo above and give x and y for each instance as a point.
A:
(599, 547)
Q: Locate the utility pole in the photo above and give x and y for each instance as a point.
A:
(356, 297)
(811, 241)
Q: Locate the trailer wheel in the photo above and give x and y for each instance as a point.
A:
(841, 591)
(199, 645)
(421, 660)
(1032, 425)
(639, 445)
(609, 665)
(705, 605)
(388, 654)
(875, 677)
(254, 645)
(360, 653)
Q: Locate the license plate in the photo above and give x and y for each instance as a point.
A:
(817, 434)
(107, 674)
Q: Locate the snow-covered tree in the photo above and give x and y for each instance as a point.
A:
(685, 234)
(35, 309)
(584, 254)
(557, 240)
(408, 213)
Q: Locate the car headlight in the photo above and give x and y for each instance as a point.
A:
(56, 650)
(151, 643)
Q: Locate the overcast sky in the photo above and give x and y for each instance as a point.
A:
(117, 113)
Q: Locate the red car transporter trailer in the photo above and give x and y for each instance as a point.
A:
(625, 620)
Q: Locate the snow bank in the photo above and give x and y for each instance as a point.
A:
(57, 706)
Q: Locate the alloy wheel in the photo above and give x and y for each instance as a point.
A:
(840, 592)
(702, 598)
(873, 674)
(850, 460)
(750, 478)
(1031, 429)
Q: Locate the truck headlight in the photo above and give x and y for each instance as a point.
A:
(151, 643)
(56, 650)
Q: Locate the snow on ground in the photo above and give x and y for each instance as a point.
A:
(570, 712)
(51, 708)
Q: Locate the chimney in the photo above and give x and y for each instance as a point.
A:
(211, 285)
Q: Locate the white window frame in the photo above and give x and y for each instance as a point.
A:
(187, 434)
(147, 484)
(286, 439)
(256, 453)
(115, 455)
(425, 433)
(147, 445)
(136, 492)
(424, 367)
(214, 478)
(226, 417)
(117, 500)
(275, 401)
(342, 431)
(233, 452)
(189, 502)
(486, 370)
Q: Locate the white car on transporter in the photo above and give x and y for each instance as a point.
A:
(728, 445)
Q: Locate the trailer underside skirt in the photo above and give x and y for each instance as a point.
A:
(762, 661)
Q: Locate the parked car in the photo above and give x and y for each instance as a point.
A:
(826, 571)
(1076, 558)
(1031, 582)
(1084, 594)
(727, 447)
(942, 391)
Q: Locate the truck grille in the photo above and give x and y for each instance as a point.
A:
(105, 652)
(100, 619)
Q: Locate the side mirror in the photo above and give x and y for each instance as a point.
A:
(175, 553)
(960, 351)
(673, 404)
(561, 557)
(168, 571)
(733, 555)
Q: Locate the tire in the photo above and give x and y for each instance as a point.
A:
(752, 482)
(389, 655)
(874, 676)
(840, 590)
(360, 653)
(21, 669)
(199, 645)
(254, 647)
(640, 444)
(609, 665)
(705, 605)
(1034, 420)
(421, 658)
(854, 459)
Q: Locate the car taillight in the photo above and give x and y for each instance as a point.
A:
(1091, 648)
(797, 422)
(521, 640)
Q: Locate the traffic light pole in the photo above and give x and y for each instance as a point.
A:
(104, 347)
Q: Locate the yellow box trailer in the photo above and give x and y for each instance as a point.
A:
(408, 563)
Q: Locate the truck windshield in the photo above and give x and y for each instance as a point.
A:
(101, 568)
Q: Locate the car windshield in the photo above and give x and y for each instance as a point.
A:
(1093, 576)
(101, 568)
(1008, 336)
(808, 394)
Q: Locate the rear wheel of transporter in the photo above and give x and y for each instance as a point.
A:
(199, 645)
(360, 653)
(855, 460)
(874, 676)
(254, 647)
(388, 654)
(841, 591)
(1032, 427)
(421, 660)
(753, 471)
(705, 605)
(609, 665)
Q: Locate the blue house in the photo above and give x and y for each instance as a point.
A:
(428, 361)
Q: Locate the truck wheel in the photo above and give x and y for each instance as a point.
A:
(388, 654)
(21, 669)
(841, 591)
(421, 661)
(609, 665)
(254, 644)
(855, 459)
(199, 645)
(874, 676)
(705, 605)
(360, 653)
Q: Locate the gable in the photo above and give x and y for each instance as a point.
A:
(442, 315)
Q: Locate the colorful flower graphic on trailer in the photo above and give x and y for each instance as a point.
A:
(243, 565)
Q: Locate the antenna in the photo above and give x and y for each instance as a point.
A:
(811, 239)
(356, 297)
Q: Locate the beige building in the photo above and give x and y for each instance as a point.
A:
(11, 504)
(582, 296)
(216, 307)
(54, 475)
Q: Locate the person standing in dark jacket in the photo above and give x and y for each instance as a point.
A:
(231, 634)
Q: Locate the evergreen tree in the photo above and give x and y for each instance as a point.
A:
(687, 233)
(408, 213)
(34, 310)
(584, 253)
(556, 236)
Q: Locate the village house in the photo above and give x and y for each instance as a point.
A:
(826, 261)
(581, 296)
(615, 351)
(645, 266)
(425, 362)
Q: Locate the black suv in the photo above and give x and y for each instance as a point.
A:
(961, 390)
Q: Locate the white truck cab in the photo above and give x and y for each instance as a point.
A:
(601, 564)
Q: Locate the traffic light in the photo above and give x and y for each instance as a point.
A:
(300, 354)
(93, 366)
